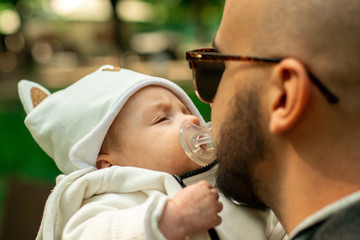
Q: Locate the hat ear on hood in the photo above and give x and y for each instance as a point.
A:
(31, 94)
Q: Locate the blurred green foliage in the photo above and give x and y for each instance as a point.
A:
(20, 153)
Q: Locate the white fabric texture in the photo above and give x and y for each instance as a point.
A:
(111, 203)
(127, 202)
(70, 125)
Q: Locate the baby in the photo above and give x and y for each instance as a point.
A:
(115, 136)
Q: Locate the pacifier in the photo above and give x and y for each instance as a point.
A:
(197, 142)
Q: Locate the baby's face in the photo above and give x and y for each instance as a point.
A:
(147, 130)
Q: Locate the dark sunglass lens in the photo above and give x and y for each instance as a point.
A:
(208, 76)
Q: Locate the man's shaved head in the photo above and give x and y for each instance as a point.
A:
(323, 34)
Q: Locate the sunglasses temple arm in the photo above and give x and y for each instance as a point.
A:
(330, 96)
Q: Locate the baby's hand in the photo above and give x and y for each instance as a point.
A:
(191, 210)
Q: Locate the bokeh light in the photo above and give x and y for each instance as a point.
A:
(15, 42)
(135, 11)
(82, 10)
(9, 21)
(42, 51)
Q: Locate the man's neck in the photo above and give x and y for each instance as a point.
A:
(306, 189)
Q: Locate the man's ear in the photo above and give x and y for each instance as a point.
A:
(103, 161)
(290, 96)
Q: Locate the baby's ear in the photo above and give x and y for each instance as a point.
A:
(31, 94)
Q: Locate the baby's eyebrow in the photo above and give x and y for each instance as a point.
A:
(160, 106)
(153, 109)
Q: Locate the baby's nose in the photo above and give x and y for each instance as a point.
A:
(193, 119)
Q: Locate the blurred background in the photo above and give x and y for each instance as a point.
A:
(56, 42)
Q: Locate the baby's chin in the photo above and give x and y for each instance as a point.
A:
(192, 165)
(186, 168)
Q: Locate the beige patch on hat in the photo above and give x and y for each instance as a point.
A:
(115, 69)
(37, 96)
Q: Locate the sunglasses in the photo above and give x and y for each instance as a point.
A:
(208, 67)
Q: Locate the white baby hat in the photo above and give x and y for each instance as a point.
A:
(70, 125)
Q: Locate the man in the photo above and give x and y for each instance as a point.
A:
(286, 122)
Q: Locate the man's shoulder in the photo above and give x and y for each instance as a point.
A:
(344, 225)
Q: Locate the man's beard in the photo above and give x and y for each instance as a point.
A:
(240, 147)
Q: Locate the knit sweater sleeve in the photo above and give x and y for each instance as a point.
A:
(105, 219)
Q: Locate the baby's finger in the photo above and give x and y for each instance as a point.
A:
(216, 207)
(215, 220)
(218, 220)
(205, 184)
(219, 206)
(214, 194)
